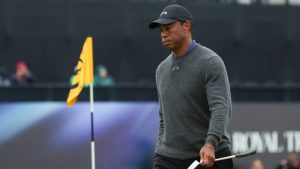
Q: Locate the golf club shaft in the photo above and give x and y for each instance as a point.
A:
(196, 163)
(225, 158)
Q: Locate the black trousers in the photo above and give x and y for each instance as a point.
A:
(161, 162)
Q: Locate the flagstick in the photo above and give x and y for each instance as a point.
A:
(92, 126)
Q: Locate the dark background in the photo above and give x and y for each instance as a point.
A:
(259, 44)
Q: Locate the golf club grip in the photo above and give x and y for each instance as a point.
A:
(245, 154)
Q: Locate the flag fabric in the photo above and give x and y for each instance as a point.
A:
(84, 71)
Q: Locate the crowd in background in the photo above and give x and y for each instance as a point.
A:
(292, 162)
(23, 76)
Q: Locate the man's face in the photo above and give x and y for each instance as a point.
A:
(103, 73)
(22, 71)
(172, 35)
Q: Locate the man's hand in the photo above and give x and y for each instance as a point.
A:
(207, 155)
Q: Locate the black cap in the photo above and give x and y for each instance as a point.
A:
(171, 14)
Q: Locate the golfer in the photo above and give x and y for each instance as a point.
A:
(194, 97)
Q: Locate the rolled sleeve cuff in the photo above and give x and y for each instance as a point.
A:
(212, 140)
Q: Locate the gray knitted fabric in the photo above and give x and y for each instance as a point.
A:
(195, 103)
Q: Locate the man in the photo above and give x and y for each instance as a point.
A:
(22, 76)
(257, 164)
(194, 96)
(291, 163)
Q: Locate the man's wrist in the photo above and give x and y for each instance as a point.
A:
(210, 145)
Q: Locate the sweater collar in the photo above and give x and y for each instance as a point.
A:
(190, 48)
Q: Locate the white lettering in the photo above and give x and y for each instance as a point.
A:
(256, 142)
(297, 141)
(271, 142)
(264, 142)
(239, 142)
(289, 135)
(164, 13)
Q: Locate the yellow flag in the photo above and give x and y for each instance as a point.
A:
(84, 73)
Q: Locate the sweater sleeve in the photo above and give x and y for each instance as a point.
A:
(219, 98)
(161, 121)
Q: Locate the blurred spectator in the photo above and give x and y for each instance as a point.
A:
(102, 77)
(291, 163)
(4, 81)
(22, 75)
(257, 164)
(71, 80)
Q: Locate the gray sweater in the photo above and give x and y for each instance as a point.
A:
(195, 103)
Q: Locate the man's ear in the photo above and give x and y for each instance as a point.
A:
(187, 26)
